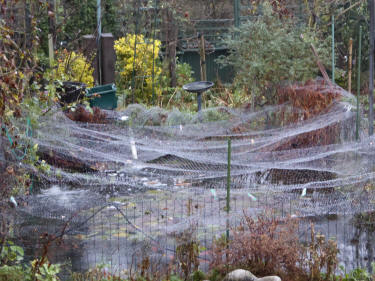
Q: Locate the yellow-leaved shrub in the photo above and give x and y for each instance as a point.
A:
(146, 60)
(72, 66)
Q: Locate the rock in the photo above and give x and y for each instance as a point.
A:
(240, 275)
(269, 278)
(244, 275)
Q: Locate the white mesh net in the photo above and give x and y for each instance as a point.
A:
(148, 174)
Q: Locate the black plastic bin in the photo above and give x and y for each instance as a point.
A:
(71, 92)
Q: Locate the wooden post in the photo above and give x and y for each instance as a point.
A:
(52, 21)
(89, 50)
(108, 55)
(50, 49)
(170, 36)
(202, 53)
(350, 65)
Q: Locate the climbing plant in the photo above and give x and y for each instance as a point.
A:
(23, 97)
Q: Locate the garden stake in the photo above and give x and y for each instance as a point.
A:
(236, 13)
(371, 70)
(50, 50)
(333, 49)
(358, 83)
(350, 65)
(202, 56)
(135, 51)
(153, 52)
(228, 187)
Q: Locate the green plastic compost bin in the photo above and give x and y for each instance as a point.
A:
(103, 96)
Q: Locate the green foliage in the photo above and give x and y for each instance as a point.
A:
(358, 274)
(175, 278)
(198, 276)
(11, 253)
(269, 50)
(23, 100)
(98, 273)
(11, 268)
(72, 66)
(168, 97)
(80, 19)
(215, 275)
(138, 68)
(177, 97)
(46, 272)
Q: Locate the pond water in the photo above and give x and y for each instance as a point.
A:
(118, 231)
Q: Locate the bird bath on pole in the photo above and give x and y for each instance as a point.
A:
(199, 88)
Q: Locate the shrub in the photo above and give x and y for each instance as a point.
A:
(176, 97)
(269, 50)
(72, 66)
(80, 114)
(358, 274)
(265, 246)
(96, 274)
(11, 268)
(187, 253)
(146, 60)
(270, 246)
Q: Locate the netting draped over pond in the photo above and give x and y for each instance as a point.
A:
(269, 151)
(149, 174)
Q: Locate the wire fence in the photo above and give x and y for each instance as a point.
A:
(120, 234)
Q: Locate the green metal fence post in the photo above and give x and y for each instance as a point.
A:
(371, 68)
(153, 51)
(236, 13)
(137, 14)
(358, 82)
(333, 49)
(228, 186)
(98, 40)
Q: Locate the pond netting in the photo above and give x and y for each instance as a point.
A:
(138, 181)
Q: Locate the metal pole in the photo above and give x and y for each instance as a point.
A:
(228, 187)
(199, 100)
(153, 51)
(371, 70)
(333, 49)
(236, 8)
(358, 82)
(137, 13)
(98, 39)
(350, 65)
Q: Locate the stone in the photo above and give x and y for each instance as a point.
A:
(269, 278)
(240, 275)
(245, 275)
